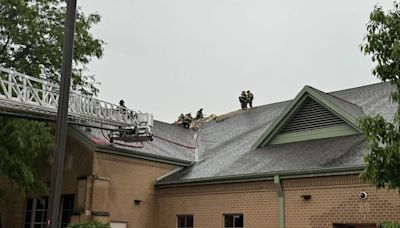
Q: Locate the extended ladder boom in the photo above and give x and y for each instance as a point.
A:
(24, 94)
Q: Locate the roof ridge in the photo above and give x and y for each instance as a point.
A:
(357, 87)
(342, 99)
(341, 104)
(330, 94)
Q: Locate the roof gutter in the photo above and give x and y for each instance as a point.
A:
(349, 170)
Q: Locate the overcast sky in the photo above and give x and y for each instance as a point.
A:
(168, 57)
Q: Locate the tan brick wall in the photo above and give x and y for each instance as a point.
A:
(78, 162)
(333, 200)
(336, 200)
(117, 181)
(256, 201)
(130, 179)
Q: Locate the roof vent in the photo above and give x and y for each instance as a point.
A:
(311, 115)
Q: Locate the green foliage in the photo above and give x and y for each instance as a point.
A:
(382, 42)
(21, 141)
(92, 224)
(31, 40)
(390, 225)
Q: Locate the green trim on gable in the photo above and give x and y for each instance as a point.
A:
(328, 132)
(293, 107)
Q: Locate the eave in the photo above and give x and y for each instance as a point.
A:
(109, 149)
(267, 176)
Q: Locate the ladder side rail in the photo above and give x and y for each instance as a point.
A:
(33, 93)
(37, 94)
(10, 85)
(19, 88)
(48, 96)
(93, 107)
(25, 79)
(24, 92)
(5, 87)
(73, 104)
(38, 80)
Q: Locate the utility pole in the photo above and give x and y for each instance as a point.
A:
(53, 214)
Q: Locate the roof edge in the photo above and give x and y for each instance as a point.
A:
(142, 155)
(295, 174)
(81, 137)
(127, 153)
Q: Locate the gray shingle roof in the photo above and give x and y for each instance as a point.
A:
(224, 146)
(373, 99)
(347, 151)
(350, 108)
(163, 132)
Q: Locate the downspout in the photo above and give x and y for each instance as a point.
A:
(281, 201)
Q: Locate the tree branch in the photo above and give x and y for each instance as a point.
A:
(22, 53)
(5, 45)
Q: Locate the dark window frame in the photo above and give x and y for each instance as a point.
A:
(235, 223)
(353, 225)
(187, 223)
(38, 207)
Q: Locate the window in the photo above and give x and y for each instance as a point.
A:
(233, 221)
(185, 221)
(67, 205)
(36, 211)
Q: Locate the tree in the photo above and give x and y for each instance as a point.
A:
(382, 42)
(31, 40)
(21, 141)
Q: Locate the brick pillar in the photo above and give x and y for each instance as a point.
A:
(92, 199)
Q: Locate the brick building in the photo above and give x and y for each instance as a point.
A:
(288, 164)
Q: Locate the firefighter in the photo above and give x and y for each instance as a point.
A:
(187, 121)
(243, 100)
(250, 97)
(199, 114)
(122, 107)
(181, 117)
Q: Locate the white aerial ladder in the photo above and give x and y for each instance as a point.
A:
(29, 97)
